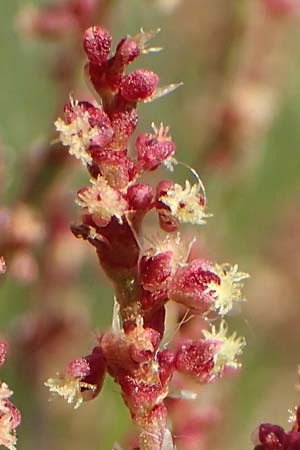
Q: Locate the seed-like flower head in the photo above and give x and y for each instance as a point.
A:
(186, 204)
(102, 201)
(227, 352)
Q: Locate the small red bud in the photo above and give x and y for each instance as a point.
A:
(151, 151)
(155, 271)
(196, 359)
(126, 52)
(78, 368)
(138, 85)
(139, 197)
(97, 44)
(190, 283)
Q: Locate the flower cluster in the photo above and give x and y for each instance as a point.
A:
(10, 416)
(145, 279)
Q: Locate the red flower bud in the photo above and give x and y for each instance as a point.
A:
(190, 283)
(139, 197)
(197, 359)
(138, 85)
(156, 270)
(153, 149)
(203, 286)
(78, 368)
(127, 50)
(97, 44)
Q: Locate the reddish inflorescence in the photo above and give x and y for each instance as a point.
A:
(145, 279)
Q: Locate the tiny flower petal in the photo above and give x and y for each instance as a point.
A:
(229, 290)
(69, 387)
(78, 136)
(229, 349)
(186, 204)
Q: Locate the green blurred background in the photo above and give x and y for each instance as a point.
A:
(219, 51)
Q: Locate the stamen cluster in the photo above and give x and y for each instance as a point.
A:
(145, 278)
